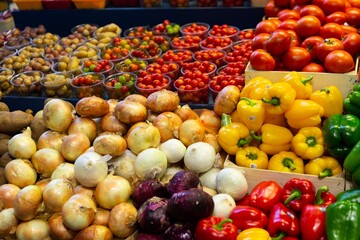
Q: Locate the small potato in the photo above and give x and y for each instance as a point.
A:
(81, 54)
(73, 64)
(62, 66)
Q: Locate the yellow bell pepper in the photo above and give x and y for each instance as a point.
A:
(304, 113)
(273, 138)
(255, 88)
(236, 117)
(330, 98)
(251, 157)
(286, 161)
(279, 97)
(301, 85)
(277, 119)
(233, 135)
(254, 234)
(324, 166)
(308, 143)
(252, 113)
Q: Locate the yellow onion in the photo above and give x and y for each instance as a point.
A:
(109, 123)
(122, 221)
(112, 104)
(123, 166)
(90, 191)
(185, 113)
(33, 229)
(8, 222)
(57, 228)
(112, 144)
(227, 100)
(94, 232)
(50, 139)
(168, 124)
(42, 183)
(112, 190)
(78, 212)
(46, 160)
(137, 98)
(65, 170)
(39, 114)
(142, 137)
(84, 125)
(191, 131)
(56, 193)
(74, 145)
(211, 139)
(58, 115)
(27, 202)
(92, 107)
(22, 145)
(210, 120)
(163, 101)
(101, 217)
(130, 112)
(8, 193)
(20, 172)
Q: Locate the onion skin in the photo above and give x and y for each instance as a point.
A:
(112, 104)
(227, 99)
(92, 107)
(8, 222)
(65, 170)
(212, 140)
(42, 183)
(84, 125)
(74, 145)
(94, 232)
(109, 123)
(191, 131)
(33, 230)
(168, 124)
(56, 193)
(122, 221)
(101, 217)
(130, 112)
(58, 229)
(111, 144)
(50, 139)
(163, 101)
(210, 120)
(20, 172)
(27, 201)
(58, 115)
(185, 113)
(142, 137)
(46, 160)
(137, 98)
(7, 195)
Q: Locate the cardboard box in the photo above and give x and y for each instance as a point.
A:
(344, 81)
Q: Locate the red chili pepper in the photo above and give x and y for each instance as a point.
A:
(265, 195)
(297, 193)
(245, 217)
(324, 197)
(283, 222)
(215, 228)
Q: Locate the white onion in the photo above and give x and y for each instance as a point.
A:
(112, 190)
(122, 220)
(33, 230)
(58, 115)
(112, 144)
(78, 212)
(74, 145)
(174, 150)
(65, 170)
(27, 202)
(233, 182)
(20, 172)
(8, 222)
(90, 168)
(56, 193)
(46, 160)
(50, 139)
(57, 228)
(150, 163)
(208, 178)
(123, 165)
(223, 205)
(8, 193)
(199, 157)
(84, 125)
(22, 145)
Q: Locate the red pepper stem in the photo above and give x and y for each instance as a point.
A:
(249, 101)
(220, 225)
(325, 173)
(279, 237)
(225, 119)
(256, 137)
(295, 194)
(306, 80)
(319, 199)
(274, 101)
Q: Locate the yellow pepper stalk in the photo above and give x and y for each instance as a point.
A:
(251, 157)
(252, 113)
(254, 234)
(255, 88)
(324, 166)
(308, 143)
(273, 138)
(286, 161)
(300, 84)
(304, 113)
(279, 97)
(232, 135)
(330, 98)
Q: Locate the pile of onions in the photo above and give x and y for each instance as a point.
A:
(109, 123)
(78, 212)
(163, 101)
(27, 202)
(74, 145)
(150, 163)
(95, 232)
(58, 229)
(122, 220)
(109, 143)
(8, 222)
(58, 115)
(84, 125)
(50, 139)
(65, 170)
(90, 168)
(20, 172)
(56, 193)
(142, 136)
(46, 160)
(168, 124)
(8, 193)
(22, 145)
(191, 131)
(130, 112)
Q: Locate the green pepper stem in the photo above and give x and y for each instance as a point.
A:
(289, 163)
(225, 119)
(325, 173)
(311, 141)
(306, 80)
(319, 200)
(279, 237)
(295, 195)
(256, 137)
(244, 141)
(252, 156)
(220, 225)
(325, 89)
(249, 101)
(274, 101)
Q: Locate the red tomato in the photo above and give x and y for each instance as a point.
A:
(310, 44)
(288, 14)
(296, 58)
(308, 25)
(354, 3)
(353, 16)
(258, 41)
(336, 17)
(282, 3)
(313, 67)
(339, 61)
(278, 42)
(328, 45)
(265, 26)
(312, 10)
(271, 10)
(262, 61)
(295, 39)
(331, 6)
(289, 24)
(351, 43)
(317, 2)
(331, 30)
(349, 29)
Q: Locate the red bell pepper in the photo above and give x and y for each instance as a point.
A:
(265, 195)
(289, 238)
(244, 201)
(245, 217)
(297, 193)
(215, 228)
(283, 222)
(324, 197)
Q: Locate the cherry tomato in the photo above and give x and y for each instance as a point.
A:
(331, 30)
(331, 6)
(288, 14)
(351, 43)
(262, 61)
(296, 58)
(265, 26)
(313, 67)
(258, 41)
(312, 10)
(328, 45)
(308, 25)
(278, 42)
(310, 43)
(339, 61)
(353, 16)
(271, 10)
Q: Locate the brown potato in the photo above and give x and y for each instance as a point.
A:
(37, 127)
(15, 121)
(3, 146)
(4, 107)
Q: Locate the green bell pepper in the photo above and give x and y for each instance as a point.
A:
(343, 221)
(352, 163)
(341, 133)
(352, 101)
(352, 195)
